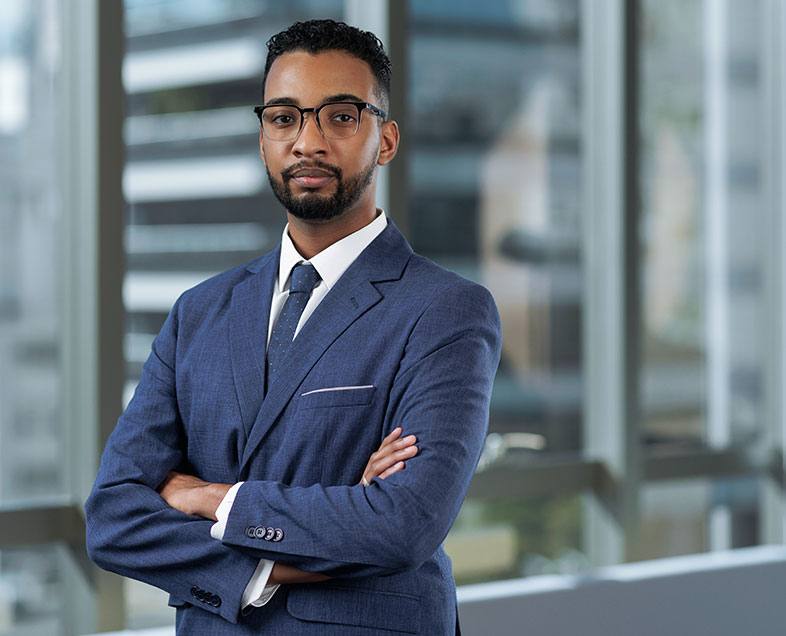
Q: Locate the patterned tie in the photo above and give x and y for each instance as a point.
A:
(304, 278)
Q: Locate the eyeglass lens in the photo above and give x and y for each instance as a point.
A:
(337, 121)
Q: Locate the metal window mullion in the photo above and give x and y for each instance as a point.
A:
(610, 292)
(773, 162)
(78, 172)
(92, 363)
(399, 45)
(374, 17)
(717, 319)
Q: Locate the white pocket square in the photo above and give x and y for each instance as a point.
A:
(339, 388)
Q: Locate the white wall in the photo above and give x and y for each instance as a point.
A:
(736, 593)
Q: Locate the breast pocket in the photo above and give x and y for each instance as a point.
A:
(337, 396)
(343, 430)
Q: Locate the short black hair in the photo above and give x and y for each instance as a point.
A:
(315, 36)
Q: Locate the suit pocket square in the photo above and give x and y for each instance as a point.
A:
(337, 396)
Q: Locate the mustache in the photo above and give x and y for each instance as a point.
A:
(288, 172)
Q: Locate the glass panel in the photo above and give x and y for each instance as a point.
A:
(146, 606)
(30, 592)
(31, 431)
(495, 175)
(509, 539)
(687, 516)
(197, 192)
(704, 313)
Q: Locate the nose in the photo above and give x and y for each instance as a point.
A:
(310, 141)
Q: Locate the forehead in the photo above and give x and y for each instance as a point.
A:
(308, 78)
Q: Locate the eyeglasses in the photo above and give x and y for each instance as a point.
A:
(336, 120)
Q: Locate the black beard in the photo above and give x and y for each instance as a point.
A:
(316, 207)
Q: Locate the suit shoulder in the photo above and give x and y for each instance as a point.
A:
(217, 290)
(446, 306)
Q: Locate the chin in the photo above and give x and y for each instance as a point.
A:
(314, 208)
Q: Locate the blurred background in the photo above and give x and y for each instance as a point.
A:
(611, 170)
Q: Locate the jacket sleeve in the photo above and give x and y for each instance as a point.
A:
(130, 529)
(440, 394)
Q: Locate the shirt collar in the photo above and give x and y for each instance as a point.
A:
(334, 260)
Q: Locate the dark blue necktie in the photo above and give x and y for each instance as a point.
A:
(304, 278)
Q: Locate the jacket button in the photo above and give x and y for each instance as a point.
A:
(250, 531)
(271, 532)
(214, 600)
(194, 591)
(259, 532)
(279, 535)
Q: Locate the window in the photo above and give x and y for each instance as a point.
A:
(705, 254)
(197, 193)
(32, 431)
(612, 171)
(494, 125)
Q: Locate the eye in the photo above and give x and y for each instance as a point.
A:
(341, 115)
(281, 118)
(344, 118)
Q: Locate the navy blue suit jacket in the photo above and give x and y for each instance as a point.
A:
(421, 343)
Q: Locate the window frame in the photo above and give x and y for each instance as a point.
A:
(614, 464)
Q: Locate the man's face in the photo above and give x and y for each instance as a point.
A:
(315, 178)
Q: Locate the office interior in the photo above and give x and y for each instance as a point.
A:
(612, 170)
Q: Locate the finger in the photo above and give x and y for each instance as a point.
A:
(404, 442)
(389, 439)
(405, 450)
(393, 447)
(378, 467)
(393, 469)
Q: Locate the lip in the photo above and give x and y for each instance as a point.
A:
(312, 177)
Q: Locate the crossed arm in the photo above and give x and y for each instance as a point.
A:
(194, 496)
(440, 394)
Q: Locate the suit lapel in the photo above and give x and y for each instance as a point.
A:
(249, 315)
(350, 298)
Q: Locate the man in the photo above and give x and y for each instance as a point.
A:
(232, 479)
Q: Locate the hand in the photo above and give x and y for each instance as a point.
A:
(286, 574)
(192, 495)
(389, 457)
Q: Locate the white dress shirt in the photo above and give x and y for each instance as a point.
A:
(330, 264)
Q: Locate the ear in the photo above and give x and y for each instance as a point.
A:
(262, 146)
(388, 142)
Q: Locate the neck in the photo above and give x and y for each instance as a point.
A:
(311, 238)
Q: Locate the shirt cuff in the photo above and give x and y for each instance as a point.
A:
(258, 592)
(222, 512)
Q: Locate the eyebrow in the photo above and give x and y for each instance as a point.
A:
(339, 97)
(281, 100)
(343, 97)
